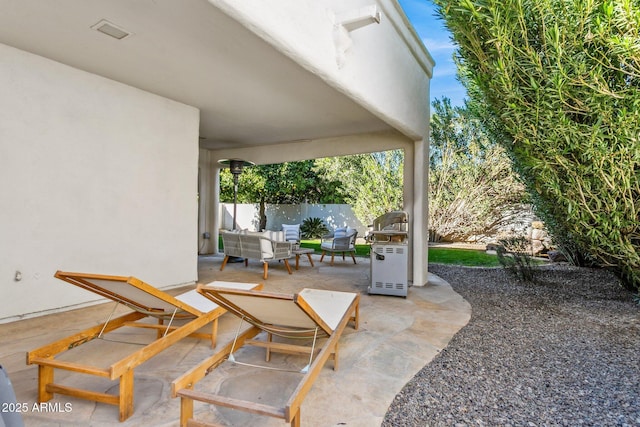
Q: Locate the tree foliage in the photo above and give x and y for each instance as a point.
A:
(371, 183)
(472, 187)
(558, 83)
(285, 183)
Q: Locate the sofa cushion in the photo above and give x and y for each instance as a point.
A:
(278, 236)
(265, 245)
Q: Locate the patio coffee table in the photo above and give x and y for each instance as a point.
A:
(302, 251)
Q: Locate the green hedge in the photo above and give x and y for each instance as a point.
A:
(557, 83)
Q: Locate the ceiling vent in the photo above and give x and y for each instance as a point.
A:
(106, 27)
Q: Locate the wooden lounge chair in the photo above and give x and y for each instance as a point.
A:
(310, 313)
(185, 314)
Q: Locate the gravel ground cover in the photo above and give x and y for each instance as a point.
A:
(563, 352)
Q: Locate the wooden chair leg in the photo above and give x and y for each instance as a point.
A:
(269, 339)
(45, 376)
(353, 257)
(322, 257)
(286, 263)
(214, 332)
(224, 262)
(246, 262)
(356, 317)
(126, 395)
(310, 260)
(265, 267)
(332, 255)
(343, 256)
(186, 411)
(159, 332)
(295, 421)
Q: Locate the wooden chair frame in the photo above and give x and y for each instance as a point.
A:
(146, 301)
(309, 308)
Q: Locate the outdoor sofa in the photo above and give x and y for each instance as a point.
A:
(263, 246)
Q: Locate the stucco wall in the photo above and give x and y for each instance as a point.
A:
(359, 62)
(96, 177)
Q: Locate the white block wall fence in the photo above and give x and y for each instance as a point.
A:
(334, 215)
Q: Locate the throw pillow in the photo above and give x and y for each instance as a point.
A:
(291, 232)
(340, 232)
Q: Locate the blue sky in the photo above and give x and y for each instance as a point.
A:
(436, 38)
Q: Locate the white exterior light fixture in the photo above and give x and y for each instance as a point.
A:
(346, 22)
(359, 18)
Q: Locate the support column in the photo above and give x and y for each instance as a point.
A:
(208, 196)
(215, 209)
(420, 227)
(408, 190)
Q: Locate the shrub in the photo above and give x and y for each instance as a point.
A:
(472, 187)
(557, 82)
(371, 183)
(514, 254)
(313, 228)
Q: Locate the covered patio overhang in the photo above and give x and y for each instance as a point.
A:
(273, 81)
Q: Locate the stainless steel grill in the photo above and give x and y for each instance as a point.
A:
(389, 241)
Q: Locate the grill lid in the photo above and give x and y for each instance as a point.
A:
(390, 227)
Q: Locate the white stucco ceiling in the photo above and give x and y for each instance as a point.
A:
(248, 93)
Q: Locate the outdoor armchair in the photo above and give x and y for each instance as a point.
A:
(340, 240)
